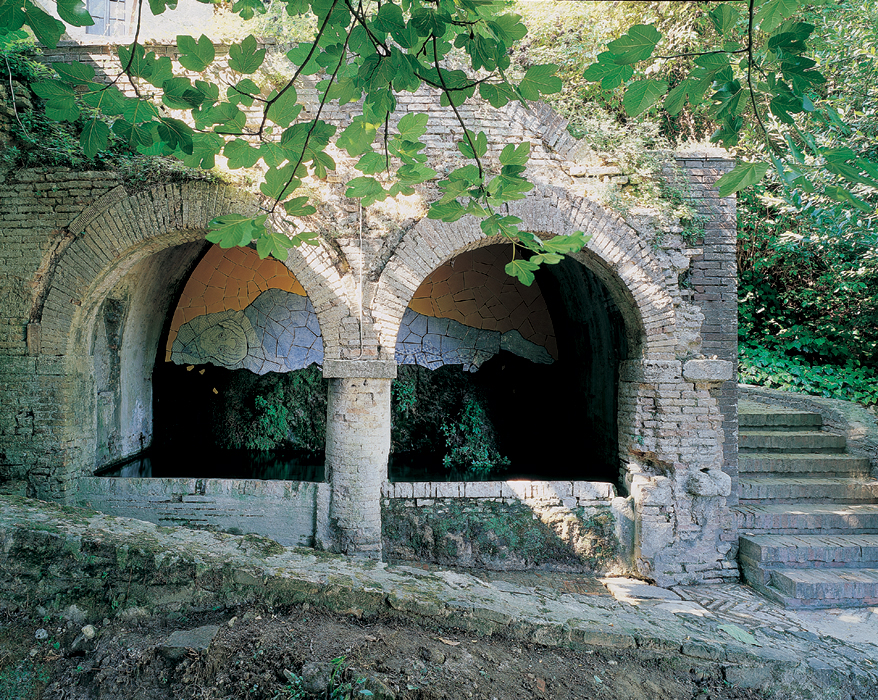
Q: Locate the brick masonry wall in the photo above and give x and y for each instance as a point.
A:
(65, 255)
(285, 511)
(713, 279)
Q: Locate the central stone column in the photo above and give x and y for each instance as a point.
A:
(357, 448)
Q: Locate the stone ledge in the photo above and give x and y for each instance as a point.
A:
(708, 370)
(369, 369)
(172, 569)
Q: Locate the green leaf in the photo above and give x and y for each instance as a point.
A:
(358, 137)
(611, 75)
(480, 143)
(743, 175)
(366, 188)
(567, 244)
(137, 110)
(180, 94)
(724, 17)
(74, 13)
(137, 136)
(299, 54)
(298, 206)
(539, 80)
(371, 163)
(279, 183)
(412, 126)
(446, 211)
(637, 45)
(676, 98)
(240, 154)
(75, 72)
(508, 28)
(107, 98)
(284, 109)
(428, 22)
(274, 244)
(497, 95)
(772, 14)
(231, 230)
(512, 155)
(205, 148)
(176, 134)
(195, 55)
(389, 18)
(523, 270)
(52, 89)
(12, 18)
(47, 29)
(94, 137)
(643, 94)
(246, 57)
(840, 194)
(414, 174)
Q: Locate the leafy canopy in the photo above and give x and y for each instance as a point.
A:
(754, 72)
(360, 51)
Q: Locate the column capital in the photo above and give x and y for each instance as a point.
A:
(370, 369)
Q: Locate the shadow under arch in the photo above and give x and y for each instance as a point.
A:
(108, 301)
(608, 303)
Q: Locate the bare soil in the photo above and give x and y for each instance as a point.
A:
(263, 654)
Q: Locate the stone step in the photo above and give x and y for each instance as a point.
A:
(793, 489)
(812, 464)
(809, 551)
(762, 417)
(793, 441)
(790, 518)
(826, 587)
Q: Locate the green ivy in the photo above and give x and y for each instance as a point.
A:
(764, 367)
(470, 441)
(273, 411)
(444, 411)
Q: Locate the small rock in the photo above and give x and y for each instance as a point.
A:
(231, 623)
(379, 689)
(198, 639)
(433, 656)
(316, 676)
(89, 632)
(75, 614)
(41, 634)
(133, 614)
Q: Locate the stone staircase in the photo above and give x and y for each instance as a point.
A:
(808, 512)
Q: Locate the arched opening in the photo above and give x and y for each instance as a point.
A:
(236, 377)
(128, 324)
(498, 380)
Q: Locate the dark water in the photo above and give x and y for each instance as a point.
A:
(291, 466)
(410, 466)
(222, 464)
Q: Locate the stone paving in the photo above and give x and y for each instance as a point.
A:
(726, 623)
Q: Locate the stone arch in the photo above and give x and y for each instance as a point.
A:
(616, 253)
(111, 292)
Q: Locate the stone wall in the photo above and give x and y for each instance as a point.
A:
(90, 274)
(507, 526)
(285, 511)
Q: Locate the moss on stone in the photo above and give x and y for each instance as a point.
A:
(500, 535)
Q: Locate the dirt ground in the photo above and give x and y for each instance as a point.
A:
(279, 654)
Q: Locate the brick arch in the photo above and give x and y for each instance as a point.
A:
(131, 229)
(132, 254)
(616, 254)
